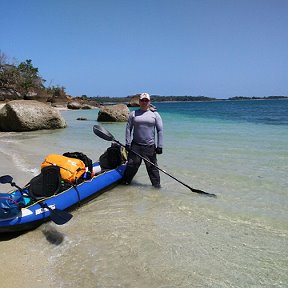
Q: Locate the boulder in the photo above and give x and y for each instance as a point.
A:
(29, 115)
(81, 104)
(113, 113)
(86, 107)
(93, 103)
(74, 105)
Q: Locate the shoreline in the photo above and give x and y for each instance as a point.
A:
(64, 107)
(9, 167)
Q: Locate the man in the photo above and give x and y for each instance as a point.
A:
(141, 128)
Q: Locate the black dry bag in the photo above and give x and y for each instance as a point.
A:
(111, 158)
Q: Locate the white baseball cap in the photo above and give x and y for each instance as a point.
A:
(144, 96)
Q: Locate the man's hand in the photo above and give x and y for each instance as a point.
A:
(159, 150)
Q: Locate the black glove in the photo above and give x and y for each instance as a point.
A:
(159, 150)
(128, 147)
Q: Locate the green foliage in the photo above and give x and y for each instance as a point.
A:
(28, 77)
(22, 78)
(258, 98)
(8, 77)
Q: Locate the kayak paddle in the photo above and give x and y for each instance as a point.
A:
(101, 132)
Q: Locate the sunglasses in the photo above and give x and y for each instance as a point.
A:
(144, 100)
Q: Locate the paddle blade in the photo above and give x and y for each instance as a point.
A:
(6, 179)
(202, 192)
(60, 217)
(101, 132)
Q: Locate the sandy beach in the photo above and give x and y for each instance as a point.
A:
(19, 267)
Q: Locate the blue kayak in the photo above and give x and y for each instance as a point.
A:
(35, 213)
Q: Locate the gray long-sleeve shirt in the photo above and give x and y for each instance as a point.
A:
(143, 125)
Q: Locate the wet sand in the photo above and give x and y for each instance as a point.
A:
(20, 267)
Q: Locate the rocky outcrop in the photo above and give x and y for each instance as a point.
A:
(37, 97)
(29, 115)
(9, 94)
(134, 102)
(80, 104)
(113, 113)
(74, 105)
(57, 99)
(87, 107)
(40, 95)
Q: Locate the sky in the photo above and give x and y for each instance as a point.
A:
(213, 48)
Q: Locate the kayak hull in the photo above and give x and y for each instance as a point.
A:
(34, 215)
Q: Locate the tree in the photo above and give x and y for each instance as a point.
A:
(21, 79)
(8, 74)
(29, 78)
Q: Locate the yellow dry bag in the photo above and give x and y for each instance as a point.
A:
(71, 169)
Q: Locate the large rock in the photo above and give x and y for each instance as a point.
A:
(74, 105)
(113, 113)
(87, 107)
(29, 115)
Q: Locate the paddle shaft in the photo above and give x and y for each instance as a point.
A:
(151, 163)
(101, 132)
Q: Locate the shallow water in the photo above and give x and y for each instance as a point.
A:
(137, 236)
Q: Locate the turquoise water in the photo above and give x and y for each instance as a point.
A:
(137, 236)
(263, 112)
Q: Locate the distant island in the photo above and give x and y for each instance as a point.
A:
(258, 98)
(158, 98)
